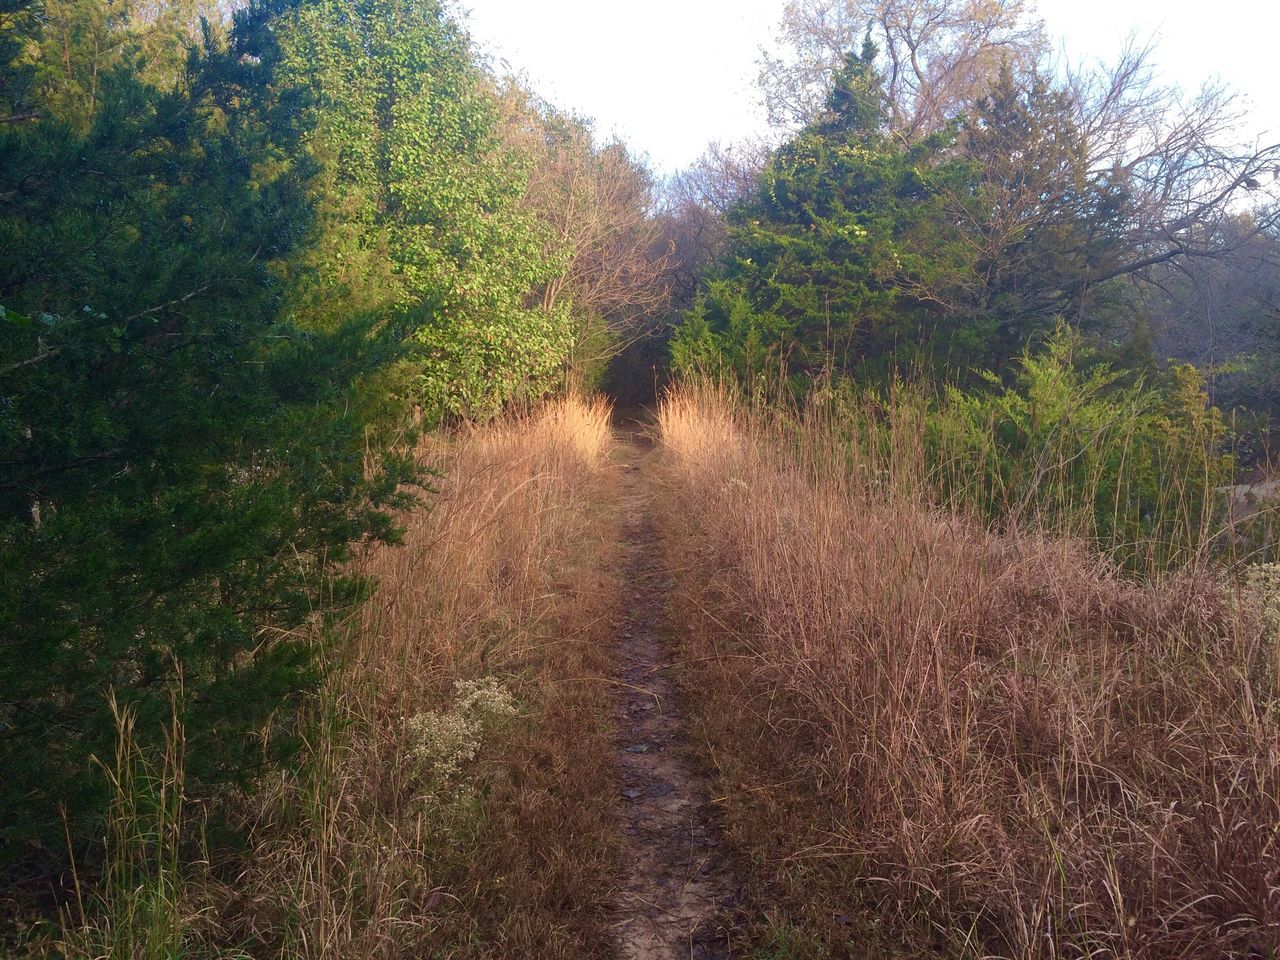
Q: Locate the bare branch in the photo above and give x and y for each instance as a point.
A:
(937, 57)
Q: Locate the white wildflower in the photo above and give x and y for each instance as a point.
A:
(1262, 588)
(488, 698)
(442, 744)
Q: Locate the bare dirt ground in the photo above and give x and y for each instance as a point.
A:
(676, 889)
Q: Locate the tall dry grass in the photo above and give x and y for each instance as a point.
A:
(455, 793)
(941, 741)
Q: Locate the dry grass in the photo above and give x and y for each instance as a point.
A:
(367, 851)
(936, 740)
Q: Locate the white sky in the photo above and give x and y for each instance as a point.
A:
(668, 76)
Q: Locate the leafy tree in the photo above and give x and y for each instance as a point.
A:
(822, 259)
(1100, 196)
(859, 254)
(181, 465)
(420, 207)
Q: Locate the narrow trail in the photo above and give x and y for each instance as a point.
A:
(675, 888)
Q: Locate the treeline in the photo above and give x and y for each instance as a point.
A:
(244, 258)
(944, 194)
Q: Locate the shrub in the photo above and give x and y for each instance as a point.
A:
(442, 744)
(1067, 447)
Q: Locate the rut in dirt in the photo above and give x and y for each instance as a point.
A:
(676, 890)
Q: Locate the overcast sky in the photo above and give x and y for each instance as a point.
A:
(668, 76)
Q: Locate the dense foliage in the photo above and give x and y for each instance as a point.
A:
(421, 204)
(859, 253)
(182, 462)
(821, 258)
(235, 255)
(1070, 447)
(936, 269)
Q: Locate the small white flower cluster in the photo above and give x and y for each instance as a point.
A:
(1262, 587)
(487, 698)
(441, 744)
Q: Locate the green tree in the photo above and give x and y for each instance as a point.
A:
(420, 207)
(19, 46)
(79, 43)
(182, 467)
(823, 260)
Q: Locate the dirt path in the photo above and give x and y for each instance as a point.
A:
(676, 887)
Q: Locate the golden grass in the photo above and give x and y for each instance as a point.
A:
(935, 740)
(504, 573)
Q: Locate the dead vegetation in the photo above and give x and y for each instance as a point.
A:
(457, 795)
(932, 739)
(928, 737)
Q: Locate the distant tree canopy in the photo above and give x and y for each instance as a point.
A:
(936, 58)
